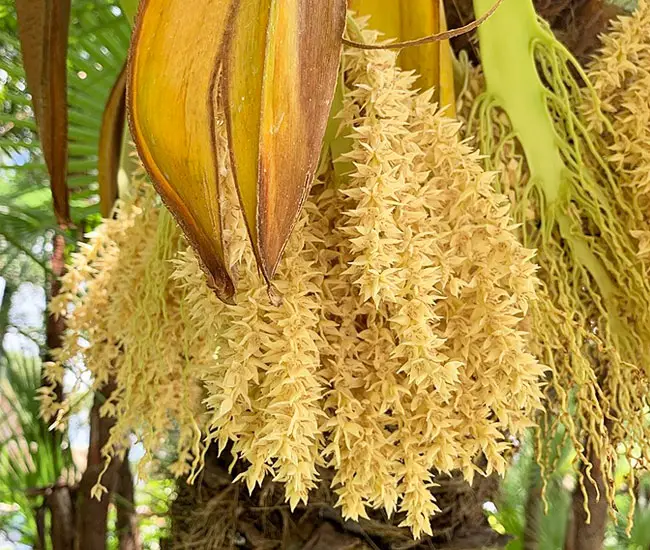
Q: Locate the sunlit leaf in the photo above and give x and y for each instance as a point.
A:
(421, 18)
(43, 28)
(385, 15)
(110, 144)
(172, 76)
(130, 7)
(280, 72)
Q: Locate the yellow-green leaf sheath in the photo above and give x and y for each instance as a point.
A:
(404, 20)
(171, 99)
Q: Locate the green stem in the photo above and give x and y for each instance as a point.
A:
(507, 40)
(587, 258)
(507, 43)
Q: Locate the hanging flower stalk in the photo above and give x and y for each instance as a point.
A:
(264, 388)
(591, 323)
(428, 290)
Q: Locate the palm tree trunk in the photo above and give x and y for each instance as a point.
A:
(39, 514)
(580, 534)
(55, 326)
(127, 522)
(216, 513)
(60, 500)
(60, 503)
(91, 512)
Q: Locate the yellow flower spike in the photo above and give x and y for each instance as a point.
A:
(417, 353)
(264, 390)
(621, 78)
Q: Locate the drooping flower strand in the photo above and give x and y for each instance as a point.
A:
(428, 289)
(263, 386)
(591, 323)
(124, 319)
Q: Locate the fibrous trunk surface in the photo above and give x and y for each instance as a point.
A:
(216, 513)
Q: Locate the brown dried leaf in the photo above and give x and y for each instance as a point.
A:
(43, 30)
(280, 72)
(110, 144)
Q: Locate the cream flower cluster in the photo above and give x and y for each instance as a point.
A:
(391, 346)
(621, 78)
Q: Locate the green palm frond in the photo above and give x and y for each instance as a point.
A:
(96, 57)
(31, 457)
(23, 434)
(617, 533)
(99, 37)
(522, 485)
(25, 233)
